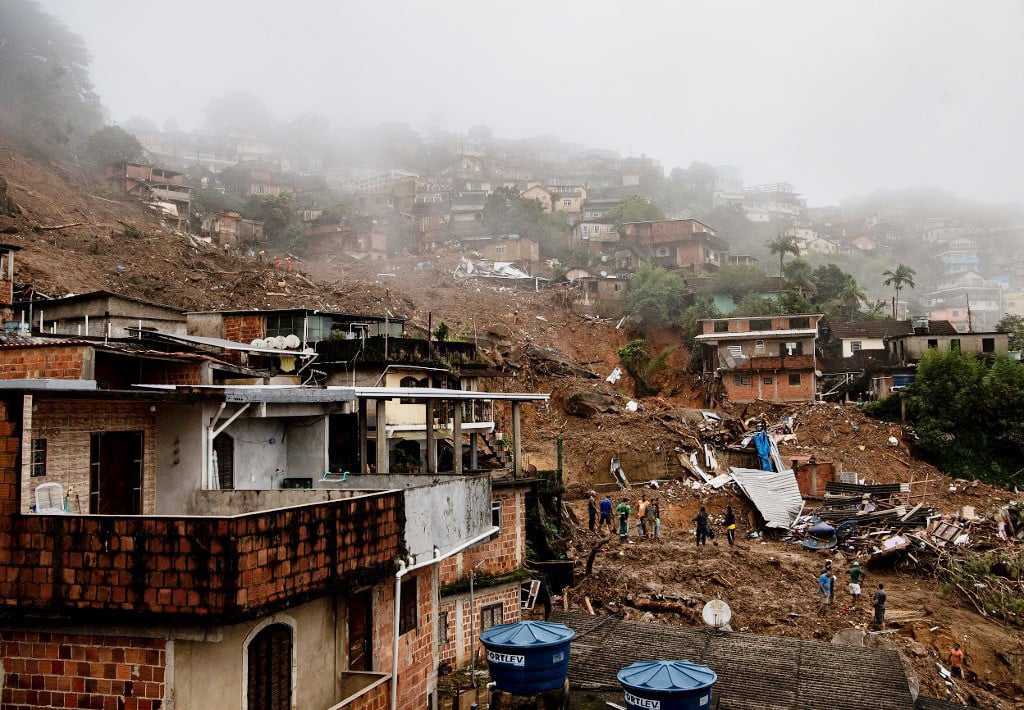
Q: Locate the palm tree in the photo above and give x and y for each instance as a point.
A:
(852, 295)
(903, 276)
(782, 245)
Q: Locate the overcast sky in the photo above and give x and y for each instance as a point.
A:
(838, 98)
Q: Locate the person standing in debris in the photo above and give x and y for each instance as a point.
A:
(824, 589)
(956, 661)
(623, 509)
(856, 579)
(702, 526)
(879, 604)
(730, 525)
(641, 516)
(277, 263)
(655, 512)
(606, 513)
(591, 512)
(288, 263)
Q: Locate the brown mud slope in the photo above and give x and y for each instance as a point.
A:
(156, 264)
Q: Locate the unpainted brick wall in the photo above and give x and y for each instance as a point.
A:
(502, 555)
(458, 608)
(377, 699)
(57, 363)
(778, 391)
(417, 673)
(67, 426)
(244, 329)
(81, 671)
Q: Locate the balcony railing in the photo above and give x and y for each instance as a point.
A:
(397, 350)
(209, 568)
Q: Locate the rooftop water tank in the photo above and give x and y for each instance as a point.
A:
(528, 657)
(667, 685)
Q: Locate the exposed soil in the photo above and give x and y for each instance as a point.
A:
(770, 585)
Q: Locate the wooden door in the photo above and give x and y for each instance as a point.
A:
(360, 632)
(115, 473)
(269, 681)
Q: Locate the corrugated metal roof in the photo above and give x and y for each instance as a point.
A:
(775, 495)
(754, 672)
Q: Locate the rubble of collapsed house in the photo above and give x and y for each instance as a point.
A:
(505, 272)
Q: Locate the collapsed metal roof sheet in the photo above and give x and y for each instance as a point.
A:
(775, 495)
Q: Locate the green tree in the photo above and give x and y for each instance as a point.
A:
(657, 295)
(735, 282)
(505, 212)
(47, 104)
(755, 305)
(1014, 325)
(783, 244)
(642, 367)
(113, 145)
(902, 277)
(635, 208)
(800, 277)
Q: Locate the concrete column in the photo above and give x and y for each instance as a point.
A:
(431, 457)
(473, 460)
(382, 437)
(362, 436)
(457, 436)
(517, 449)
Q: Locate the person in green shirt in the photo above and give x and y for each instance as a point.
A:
(623, 509)
(856, 579)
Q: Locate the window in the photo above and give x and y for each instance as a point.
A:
(802, 322)
(988, 345)
(442, 627)
(496, 513)
(407, 620)
(38, 457)
(794, 379)
(269, 670)
(721, 326)
(258, 189)
(743, 380)
(761, 324)
(954, 344)
(768, 380)
(791, 348)
(500, 249)
(856, 345)
(617, 287)
(933, 343)
(566, 203)
(759, 344)
(224, 451)
(491, 615)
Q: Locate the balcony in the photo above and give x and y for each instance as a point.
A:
(213, 568)
(379, 349)
(363, 689)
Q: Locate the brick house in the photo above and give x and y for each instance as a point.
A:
(152, 183)
(676, 244)
(770, 358)
(310, 326)
(189, 576)
(256, 177)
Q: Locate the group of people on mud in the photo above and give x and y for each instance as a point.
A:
(648, 513)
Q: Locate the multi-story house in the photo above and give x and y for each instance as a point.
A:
(539, 193)
(958, 256)
(676, 244)
(256, 177)
(466, 217)
(969, 301)
(569, 203)
(594, 236)
(596, 209)
(152, 183)
(770, 358)
(776, 202)
(505, 247)
(169, 539)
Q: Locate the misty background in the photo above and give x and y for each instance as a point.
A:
(838, 98)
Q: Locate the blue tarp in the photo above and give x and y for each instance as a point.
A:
(764, 450)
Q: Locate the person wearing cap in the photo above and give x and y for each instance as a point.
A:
(856, 579)
(956, 661)
(824, 589)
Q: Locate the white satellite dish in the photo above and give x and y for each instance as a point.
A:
(716, 613)
(259, 343)
(279, 342)
(292, 341)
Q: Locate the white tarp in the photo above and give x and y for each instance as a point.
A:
(775, 495)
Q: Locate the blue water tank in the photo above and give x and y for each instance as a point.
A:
(902, 380)
(529, 657)
(667, 685)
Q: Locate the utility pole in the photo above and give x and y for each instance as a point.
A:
(970, 323)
